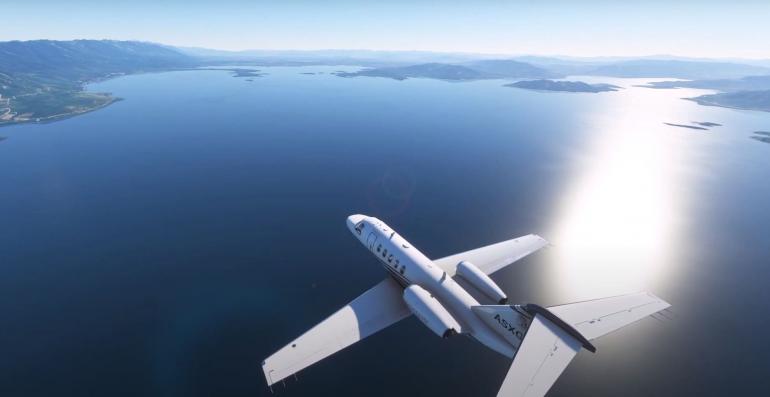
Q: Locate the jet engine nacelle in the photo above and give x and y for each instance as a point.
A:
(430, 311)
(481, 281)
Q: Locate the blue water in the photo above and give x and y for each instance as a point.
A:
(167, 244)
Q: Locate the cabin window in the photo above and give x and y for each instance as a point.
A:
(384, 253)
(390, 258)
(396, 262)
(379, 247)
(402, 269)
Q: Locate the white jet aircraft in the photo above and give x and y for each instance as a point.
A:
(541, 341)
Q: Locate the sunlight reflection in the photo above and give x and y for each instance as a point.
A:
(617, 229)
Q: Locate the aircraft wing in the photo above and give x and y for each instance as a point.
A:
(375, 309)
(494, 257)
(545, 352)
(598, 317)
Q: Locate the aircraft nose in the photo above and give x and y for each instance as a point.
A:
(354, 219)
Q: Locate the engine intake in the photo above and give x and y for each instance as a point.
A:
(432, 313)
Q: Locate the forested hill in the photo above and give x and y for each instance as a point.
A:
(87, 58)
(43, 80)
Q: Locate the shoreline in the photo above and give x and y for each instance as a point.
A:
(714, 104)
(61, 116)
(112, 100)
(83, 89)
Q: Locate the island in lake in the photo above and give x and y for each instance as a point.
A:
(427, 70)
(692, 127)
(707, 124)
(238, 72)
(562, 86)
(476, 70)
(762, 136)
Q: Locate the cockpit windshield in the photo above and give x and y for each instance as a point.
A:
(360, 227)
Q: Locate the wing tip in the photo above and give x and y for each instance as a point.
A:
(663, 302)
(266, 370)
(543, 241)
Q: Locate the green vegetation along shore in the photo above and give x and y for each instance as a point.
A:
(45, 80)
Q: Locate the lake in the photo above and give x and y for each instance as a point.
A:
(167, 244)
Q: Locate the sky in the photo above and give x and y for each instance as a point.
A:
(723, 29)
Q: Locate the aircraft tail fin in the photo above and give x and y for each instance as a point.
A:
(555, 335)
(545, 352)
(545, 345)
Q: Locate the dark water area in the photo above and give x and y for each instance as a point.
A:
(167, 244)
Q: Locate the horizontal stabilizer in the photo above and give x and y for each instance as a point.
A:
(598, 317)
(557, 333)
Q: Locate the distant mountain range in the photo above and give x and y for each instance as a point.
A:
(84, 59)
(43, 79)
(677, 69)
(511, 69)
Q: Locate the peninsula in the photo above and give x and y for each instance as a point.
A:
(45, 80)
(749, 93)
(748, 100)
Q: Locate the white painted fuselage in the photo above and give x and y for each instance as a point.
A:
(409, 266)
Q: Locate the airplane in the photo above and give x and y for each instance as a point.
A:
(541, 341)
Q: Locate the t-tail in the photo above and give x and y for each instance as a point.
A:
(546, 339)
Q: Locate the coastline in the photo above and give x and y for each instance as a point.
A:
(703, 102)
(108, 95)
(61, 116)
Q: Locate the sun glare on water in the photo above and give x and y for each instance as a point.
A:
(617, 226)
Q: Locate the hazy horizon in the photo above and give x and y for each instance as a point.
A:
(589, 29)
(660, 56)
